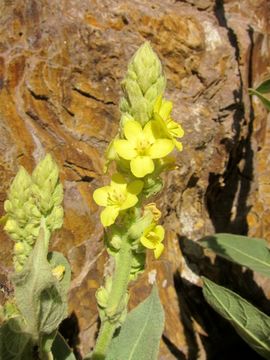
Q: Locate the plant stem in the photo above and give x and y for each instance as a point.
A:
(47, 356)
(115, 302)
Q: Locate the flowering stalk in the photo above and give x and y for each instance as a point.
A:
(147, 135)
(41, 279)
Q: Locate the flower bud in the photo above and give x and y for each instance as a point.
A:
(11, 226)
(45, 170)
(19, 248)
(55, 219)
(31, 199)
(143, 84)
(102, 297)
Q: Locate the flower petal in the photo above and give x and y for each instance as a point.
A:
(160, 232)
(135, 187)
(118, 183)
(158, 250)
(175, 129)
(147, 243)
(101, 195)
(165, 109)
(148, 131)
(157, 104)
(178, 145)
(125, 149)
(141, 166)
(130, 201)
(108, 215)
(161, 148)
(132, 129)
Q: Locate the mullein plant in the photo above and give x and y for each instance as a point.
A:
(141, 151)
(41, 279)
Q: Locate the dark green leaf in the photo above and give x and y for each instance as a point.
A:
(250, 252)
(140, 335)
(61, 350)
(250, 323)
(15, 343)
(264, 87)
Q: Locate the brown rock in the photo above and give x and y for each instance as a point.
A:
(61, 63)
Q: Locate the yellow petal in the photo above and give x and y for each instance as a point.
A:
(141, 166)
(108, 215)
(147, 243)
(101, 195)
(160, 232)
(125, 149)
(158, 250)
(110, 153)
(158, 104)
(178, 145)
(131, 130)
(129, 202)
(175, 129)
(160, 128)
(149, 131)
(161, 148)
(135, 187)
(165, 109)
(118, 183)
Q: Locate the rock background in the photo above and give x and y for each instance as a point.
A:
(61, 63)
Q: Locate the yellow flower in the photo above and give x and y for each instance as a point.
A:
(152, 239)
(117, 196)
(164, 123)
(59, 272)
(141, 147)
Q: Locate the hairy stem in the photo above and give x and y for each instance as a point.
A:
(115, 303)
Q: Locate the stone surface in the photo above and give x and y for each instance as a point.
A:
(61, 63)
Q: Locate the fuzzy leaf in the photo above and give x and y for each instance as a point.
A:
(15, 344)
(250, 323)
(61, 350)
(140, 335)
(250, 252)
(39, 295)
(55, 259)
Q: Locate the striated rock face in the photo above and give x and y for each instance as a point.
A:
(61, 63)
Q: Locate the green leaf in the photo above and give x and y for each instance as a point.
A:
(264, 100)
(15, 343)
(61, 350)
(264, 87)
(250, 252)
(39, 295)
(140, 335)
(249, 322)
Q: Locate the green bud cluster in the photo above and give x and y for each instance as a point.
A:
(143, 84)
(102, 297)
(30, 199)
